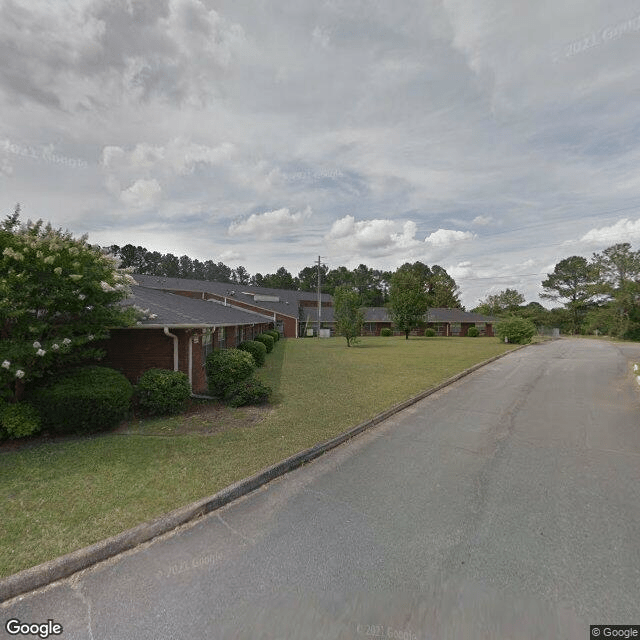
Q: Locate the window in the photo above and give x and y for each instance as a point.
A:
(221, 337)
(207, 343)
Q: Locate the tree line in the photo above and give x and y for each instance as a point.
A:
(371, 285)
(601, 294)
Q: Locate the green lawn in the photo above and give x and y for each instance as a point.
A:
(59, 496)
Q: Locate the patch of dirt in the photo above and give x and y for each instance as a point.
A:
(201, 418)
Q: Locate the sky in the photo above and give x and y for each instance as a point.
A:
(492, 137)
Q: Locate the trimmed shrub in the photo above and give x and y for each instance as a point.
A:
(516, 330)
(85, 400)
(266, 340)
(257, 349)
(249, 391)
(386, 332)
(226, 368)
(274, 333)
(163, 392)
(429, 332)
(472, 332)
(19, 420)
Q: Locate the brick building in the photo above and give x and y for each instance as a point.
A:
(178, 333)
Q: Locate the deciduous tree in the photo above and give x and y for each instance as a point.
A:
(347, 313)
(58, 295)
(408, 300)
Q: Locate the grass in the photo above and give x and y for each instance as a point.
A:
(62, 495)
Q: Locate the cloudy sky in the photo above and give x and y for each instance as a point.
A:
(492, 137)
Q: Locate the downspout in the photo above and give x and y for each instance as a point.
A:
(175, 347)
(191, 363)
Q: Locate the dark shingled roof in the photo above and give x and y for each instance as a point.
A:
(174, 310)
(287, 304)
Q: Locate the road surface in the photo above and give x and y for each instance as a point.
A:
(504, 506)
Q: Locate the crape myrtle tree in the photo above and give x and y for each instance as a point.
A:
(58, 295)
(347, 313)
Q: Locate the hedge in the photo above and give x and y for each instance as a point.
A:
(85, 400)
(163, 392)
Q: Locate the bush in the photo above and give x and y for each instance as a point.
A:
(429, 333)
(162, 392)
(249, 391)
(274, 334)
(85, 400)
(226, 368)
(266, 340)
(19, 420)
(516, 330)
(472, 332)
(386, 332)
(257, 349)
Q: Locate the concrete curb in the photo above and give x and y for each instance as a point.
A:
(64, 566)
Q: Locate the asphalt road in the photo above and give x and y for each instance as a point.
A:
(504, 506)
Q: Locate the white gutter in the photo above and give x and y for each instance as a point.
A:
(191, 362)
(175, 347)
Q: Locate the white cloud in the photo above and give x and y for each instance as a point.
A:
(375, 235)
(447, 237)
(384, 236)
(142, 193)
(178, 156)
(482, 221)
(321, 37)
(270, 223)
(230, 255)
(624, 230)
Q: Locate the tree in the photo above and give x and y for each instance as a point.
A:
(281, 279)
(516, 330)
(58, 295)
(241, 276)
(408, 300)
(574, 280)
(442, 289)
(347, 313)
(507, 301)
(308, 278)
(618, 279)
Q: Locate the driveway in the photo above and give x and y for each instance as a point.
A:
(504, 506)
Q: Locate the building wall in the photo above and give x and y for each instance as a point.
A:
(134, 351)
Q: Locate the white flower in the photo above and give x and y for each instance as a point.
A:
(81, 296)
(19, 373)
(49, 260)
(106, 286)
(40, 352)
(55, 346)
(66, 342)
(74, 276)
(58, 271)
(6, 364)
(36, 345)
(90, 337)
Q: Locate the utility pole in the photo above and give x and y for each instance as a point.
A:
(319, 296)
